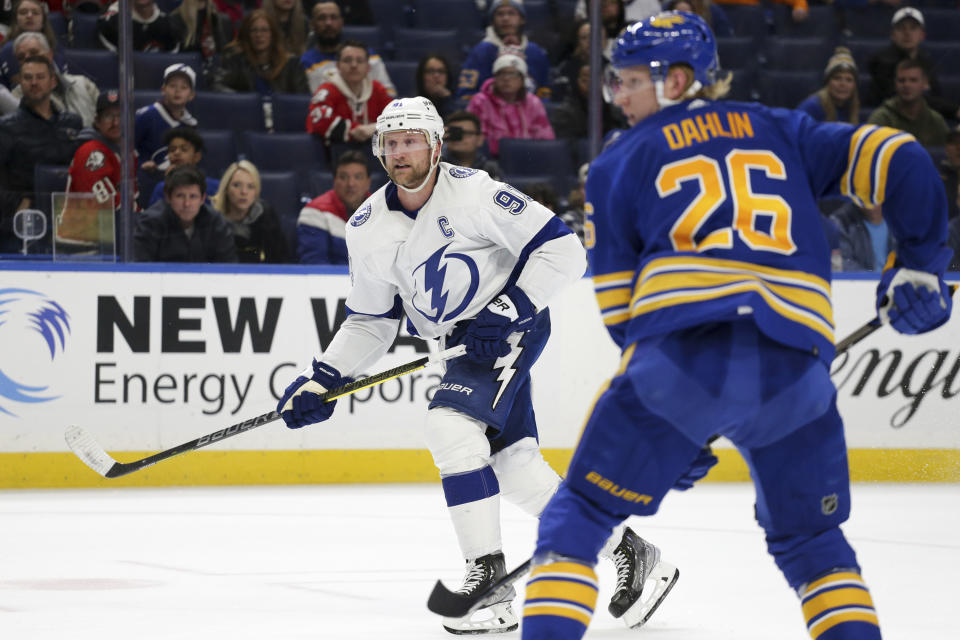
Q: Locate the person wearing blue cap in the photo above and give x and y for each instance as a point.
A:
(505, 29)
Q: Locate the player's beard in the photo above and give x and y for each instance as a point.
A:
(415, 177)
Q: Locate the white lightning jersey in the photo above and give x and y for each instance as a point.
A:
(472, 239)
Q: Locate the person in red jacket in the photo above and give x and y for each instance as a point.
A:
(95, 169)
(346, 108)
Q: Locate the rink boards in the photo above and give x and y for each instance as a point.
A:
(145, 360)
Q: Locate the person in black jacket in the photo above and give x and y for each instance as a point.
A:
(35, 133)
(256, 226)
(257, 61)
(182, 227)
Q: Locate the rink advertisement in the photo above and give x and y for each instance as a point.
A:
(147, 360)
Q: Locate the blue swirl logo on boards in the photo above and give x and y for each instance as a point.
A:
(24, 315)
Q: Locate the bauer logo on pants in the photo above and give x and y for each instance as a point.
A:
(33, 331)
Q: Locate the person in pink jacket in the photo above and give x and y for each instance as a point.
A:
(506, 109)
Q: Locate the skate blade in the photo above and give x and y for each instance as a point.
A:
(497, 618)
(655, 590)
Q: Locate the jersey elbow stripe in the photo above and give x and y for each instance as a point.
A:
(871, 149)
(883, 165)
(615, 279)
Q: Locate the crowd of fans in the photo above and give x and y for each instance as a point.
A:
(495, 69)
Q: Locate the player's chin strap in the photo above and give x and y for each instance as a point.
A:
(433, 165)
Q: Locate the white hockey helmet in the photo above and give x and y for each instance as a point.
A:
(408, 114)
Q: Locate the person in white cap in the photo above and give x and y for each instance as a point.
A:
(506, 109)
(907, 33)
(460, 259)
(152, 121)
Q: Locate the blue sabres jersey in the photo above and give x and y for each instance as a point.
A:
(707, 212)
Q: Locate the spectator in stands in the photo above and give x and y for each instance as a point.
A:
(565, 79)
(570, 118)
(799, 9)
(865, 240)
(321, 225)
(574, 216)
(908, 110)
(236, 9)
(36, 133)
(630, 11)
(838, 100)
(200, 27)
(710, 12)
(950, 169)
(463, 142)
(257, 61)
(907, 33)
(289, 16)
(30, 16)
(357, 12)
(345, 109)
(95, 167)
(185, 148)
(320, 59)
(435, 81)
(256, 226)
(153, 30)
(507, 18)
(170, 112)
(506, 109)
(74, 93)
(544, 193)
(183, 227)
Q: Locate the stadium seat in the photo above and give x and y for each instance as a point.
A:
(283, 151)
(538, 15)
(316, 182)
(83, 31)
(368, 34)
(100, 66)
(404, 76)
(871, 21)
(865, 89)
(391, 14)
(281, 190)
(521, 158)
(946, 55)
(821, 22)
(148, 67)
(797, 54)
(59, 25)
(412, 44)
(143, 98)
(787, 88)
(950, 86)
(737, 53)
(237, 111)
(865, 48)
(447, 14)
(942, 25)
(742, 85)
(290, 111)
(48, 179)
(221, 151)
(748, 21)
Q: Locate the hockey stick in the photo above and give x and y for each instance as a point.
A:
(868, 329)
(95, 457)
(450, 604)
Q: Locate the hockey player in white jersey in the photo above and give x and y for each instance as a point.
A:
(466, 260)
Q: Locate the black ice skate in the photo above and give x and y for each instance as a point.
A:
(495, 618)
(643, 580)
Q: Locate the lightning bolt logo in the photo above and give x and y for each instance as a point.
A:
(433, 276)
(505, 364)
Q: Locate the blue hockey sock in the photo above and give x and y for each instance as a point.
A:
(561, 597)
(838, 607)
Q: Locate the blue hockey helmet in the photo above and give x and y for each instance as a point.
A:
(669, 37)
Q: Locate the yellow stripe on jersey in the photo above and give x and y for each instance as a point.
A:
(865, 180)
(798, 296)
(613, 296)
(622, 278)
(835, 599)
(562, 589)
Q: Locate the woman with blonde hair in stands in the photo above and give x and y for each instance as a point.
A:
(257, 60)
(292, 22)
(28, 15)
(201, 27)
(838, 100)
(256, 226)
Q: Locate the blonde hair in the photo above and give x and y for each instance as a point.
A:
(719, 89)
(188, 10)
(220, 199)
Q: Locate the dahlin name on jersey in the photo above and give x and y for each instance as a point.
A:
(704, 126)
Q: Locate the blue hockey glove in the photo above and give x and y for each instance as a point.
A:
(698, 468)
(913, 301)
(301, 404)
(487, 335)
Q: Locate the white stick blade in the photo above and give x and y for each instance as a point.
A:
(87, 449)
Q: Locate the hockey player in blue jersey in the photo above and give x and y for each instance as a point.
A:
(713, 276)
(466, 260)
